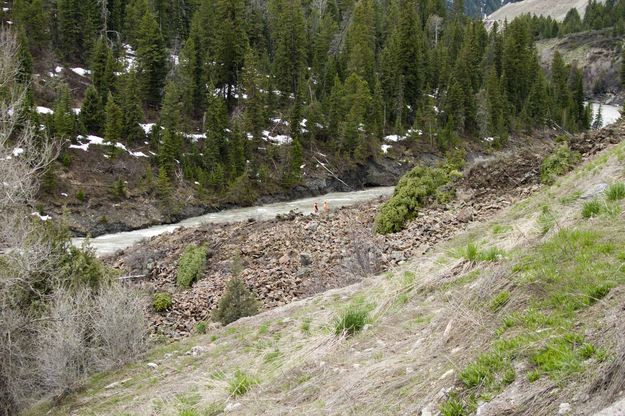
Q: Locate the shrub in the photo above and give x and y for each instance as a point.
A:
(190, 265)
(237, 302)
(453, 407)
(411, 193)
(241, 383)
(616, 191)
(591, 209)
(558, 163)
(201, 327)
(80, 196)
(351, 321)
(162, 301)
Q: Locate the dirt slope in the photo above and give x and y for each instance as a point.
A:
(518, 315)
(557, 9)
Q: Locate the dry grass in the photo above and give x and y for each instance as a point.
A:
(425, 328)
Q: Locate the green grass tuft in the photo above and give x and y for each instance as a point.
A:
(162, 301)
(190, 265)
(241, 383)
(499, 301)
(591, 209)
(615, 192)
(351, 321)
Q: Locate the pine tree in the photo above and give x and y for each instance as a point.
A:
(255, 114)
(357, 101)
(64, 120)
(114, 120)
(91, 112)
(230, 45)
(102, 67)
(135, 10)
(598, 121)
(151, 59)
(293, 171)
(623, 65)
(172, 116)
(132, 111)
(32, 20)
(360, 43)
(288, 28)
(167, 153)
(193, 84)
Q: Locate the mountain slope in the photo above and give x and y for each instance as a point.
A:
(554, 9)
(519, 315)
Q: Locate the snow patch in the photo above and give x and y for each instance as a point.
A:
(385, 148)
(41, 217)
(58, 69)
(44, 110)
(17, 151)
(80, 71)
(76, 111)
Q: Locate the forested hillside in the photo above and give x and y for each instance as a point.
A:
(231, 97)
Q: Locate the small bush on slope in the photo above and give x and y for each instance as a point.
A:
(190, 265)
(558, 163)
(351, 321)
(237, 302)
(161, 301)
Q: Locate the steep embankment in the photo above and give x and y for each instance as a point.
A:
(297, 256)
(598, 53)
(517, 315)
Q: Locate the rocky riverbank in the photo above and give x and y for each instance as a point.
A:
(296, 256)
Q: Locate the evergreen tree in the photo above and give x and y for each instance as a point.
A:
(91, 112)
(131, 111)
(135, 10)
(230, 46)
(64, 120)
(289, 38)
(167, 154)
(255, 114)
(172, 110)
(102, 67)
(293, 172)
(151, 59)
(360, 43)
(32, 19)
(114, 120)
(357, 102)
(623, 65)
(598, 119)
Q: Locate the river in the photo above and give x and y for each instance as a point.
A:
(110, 243)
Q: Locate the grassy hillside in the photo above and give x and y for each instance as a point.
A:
(519, 315)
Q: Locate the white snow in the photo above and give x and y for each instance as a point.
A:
(147, 128)
(278, 120)
(9, 22)
(489, 139)
(64, 194)
(5, 9)
(58, 69)
(84, 146)
(195, 136)
(17, 151)
(41, 217)
(385, 148)
(44, 110)
(196, 182)
(281, 139)
(138, 154)
(76, 111)
(393, 138)
(175, 59)
(80, 71)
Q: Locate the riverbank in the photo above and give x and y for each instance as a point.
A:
(297, 256)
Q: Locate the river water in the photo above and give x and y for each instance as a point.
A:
(110, 243)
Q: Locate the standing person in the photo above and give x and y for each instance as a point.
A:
(315, 209)
(326, 208)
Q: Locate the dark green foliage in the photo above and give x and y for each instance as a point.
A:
(412, 192)
(558, 163)
(190, 265)
(151, 59)
(92, 111)
(236, 302)
(162, 301)
(64, 119)
(114, 120)
(351, 321)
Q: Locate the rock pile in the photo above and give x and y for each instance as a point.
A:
(296, 256)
